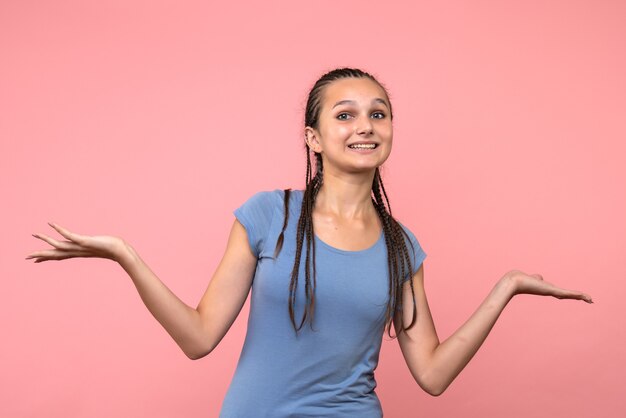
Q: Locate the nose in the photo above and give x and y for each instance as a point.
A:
(364, 126)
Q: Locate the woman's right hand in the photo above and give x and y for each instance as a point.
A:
(102, 246)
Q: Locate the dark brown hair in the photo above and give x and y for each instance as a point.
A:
(398, 259)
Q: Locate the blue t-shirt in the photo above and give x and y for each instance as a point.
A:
(328, 372)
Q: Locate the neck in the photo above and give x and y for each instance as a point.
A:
(346, 196)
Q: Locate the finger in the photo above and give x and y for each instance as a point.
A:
(572, 294)
(62, 257)
(65, 245)
(57, 255)
(48, 254)
(79, 239)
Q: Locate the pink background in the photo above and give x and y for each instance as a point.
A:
(153, 120)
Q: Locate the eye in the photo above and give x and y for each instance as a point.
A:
(340, 116)
(380, 115)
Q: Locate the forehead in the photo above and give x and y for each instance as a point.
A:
(358, 89)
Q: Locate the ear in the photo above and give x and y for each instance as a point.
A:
(311, 136)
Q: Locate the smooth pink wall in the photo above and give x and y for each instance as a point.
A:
(153, 120)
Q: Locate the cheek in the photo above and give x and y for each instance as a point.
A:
(387, 132)
(344, 131)
(338, 133)
(386, 142)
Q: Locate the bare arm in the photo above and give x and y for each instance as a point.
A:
(435, 365)
(196, 331)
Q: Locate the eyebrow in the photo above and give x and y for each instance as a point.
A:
(347, 101)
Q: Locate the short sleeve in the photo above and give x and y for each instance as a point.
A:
(416, 253)
(256, 215)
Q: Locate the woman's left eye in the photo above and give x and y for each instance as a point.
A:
(380, 115)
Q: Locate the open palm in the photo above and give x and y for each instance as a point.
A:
(102, 246)
(533, 284)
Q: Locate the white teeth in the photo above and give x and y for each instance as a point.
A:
(362, 146)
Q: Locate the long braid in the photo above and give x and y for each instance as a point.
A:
(299, 240)
(395, 259)
(281, 237)
(310, 245)
(392, 257)
(305, 229)
(316, 188)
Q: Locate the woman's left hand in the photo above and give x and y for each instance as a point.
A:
(533, 284)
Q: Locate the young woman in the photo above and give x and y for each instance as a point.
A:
(330, 256)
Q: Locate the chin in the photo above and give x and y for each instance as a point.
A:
(363, 169)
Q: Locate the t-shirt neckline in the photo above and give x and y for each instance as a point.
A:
(342, 251)
(351, 252)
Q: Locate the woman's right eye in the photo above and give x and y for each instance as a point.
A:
(340, 116)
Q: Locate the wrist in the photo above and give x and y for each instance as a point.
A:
(125, 254)
(507, 286)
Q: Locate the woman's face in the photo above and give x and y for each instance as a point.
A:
(354, 132)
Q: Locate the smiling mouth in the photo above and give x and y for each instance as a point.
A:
(363, 146)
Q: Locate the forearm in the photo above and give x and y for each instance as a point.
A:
(181, 321)
(452, 355)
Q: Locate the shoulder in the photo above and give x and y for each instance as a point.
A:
(266, 197)
(268, 203)
(260, 207)
(257, 216)
(412, 241)
(408, 233)
(276, 195)
(417, 253)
